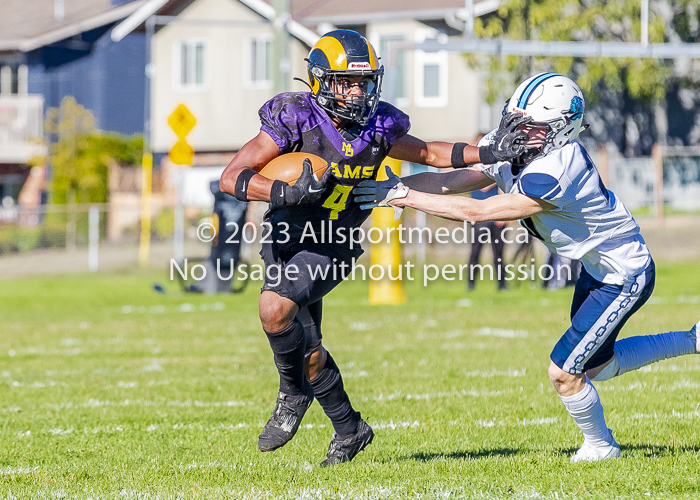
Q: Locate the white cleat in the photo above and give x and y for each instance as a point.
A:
(693, 334)
(589, 453)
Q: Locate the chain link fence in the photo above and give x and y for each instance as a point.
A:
(667, 183)
(81, 237)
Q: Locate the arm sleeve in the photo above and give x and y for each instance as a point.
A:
(541, 186)
(279, 121)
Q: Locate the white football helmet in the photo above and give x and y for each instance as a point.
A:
(553, 99)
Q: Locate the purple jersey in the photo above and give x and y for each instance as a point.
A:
(297, 124)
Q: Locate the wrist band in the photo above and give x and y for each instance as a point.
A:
(277, 193)
(486, 156)
(458, 155)
(241, 189)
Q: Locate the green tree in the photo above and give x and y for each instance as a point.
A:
(80, 154)
(641, 80)
(578, 20)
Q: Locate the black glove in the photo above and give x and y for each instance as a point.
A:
(371, 193)
(508, 142)
(306, 189)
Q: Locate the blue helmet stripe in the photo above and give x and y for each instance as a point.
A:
(525, 97)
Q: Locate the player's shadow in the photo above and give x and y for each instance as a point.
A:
(425, 456)
(647, 451)
(653, 450)
(480, 454)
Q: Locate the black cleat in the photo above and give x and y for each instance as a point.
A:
(344, 450)
(285, 420)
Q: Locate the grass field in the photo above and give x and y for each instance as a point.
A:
(112, 391)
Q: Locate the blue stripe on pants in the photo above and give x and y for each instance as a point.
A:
(598, 313)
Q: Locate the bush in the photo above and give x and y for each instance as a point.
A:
(53, 231)
(28, 238)
(14, 239)
(163, 224)
(8, 238)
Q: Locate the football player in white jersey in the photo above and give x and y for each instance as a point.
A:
(555, 191)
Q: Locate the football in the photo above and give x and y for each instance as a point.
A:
(288, 167)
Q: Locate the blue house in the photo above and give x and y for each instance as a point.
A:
(53, 49)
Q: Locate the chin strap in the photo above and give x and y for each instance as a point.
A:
(517, 165)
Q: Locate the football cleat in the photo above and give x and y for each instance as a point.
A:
(344, 450)
(589, 453)
(285, 420)
(693, 334)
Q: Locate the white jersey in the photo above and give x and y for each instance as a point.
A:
(588, 222)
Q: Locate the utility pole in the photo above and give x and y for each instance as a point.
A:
(468, 19)
(281, 66)
(147, 158)
(645, 23)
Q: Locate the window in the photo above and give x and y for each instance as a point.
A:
(190, 65)
(431, 80)
(430, 74)
(10, 187)
(258, 61)
(394, 62)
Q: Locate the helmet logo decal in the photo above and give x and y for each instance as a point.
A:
(359, 65)
(576, 107)
(347, 149)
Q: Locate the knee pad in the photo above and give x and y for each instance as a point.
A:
(609, 371)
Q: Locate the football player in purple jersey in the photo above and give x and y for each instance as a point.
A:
(342, 120)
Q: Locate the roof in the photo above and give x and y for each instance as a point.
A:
(169, 7)
(312, 12)
(17, 32)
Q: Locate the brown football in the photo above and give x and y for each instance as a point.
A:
(288, 167)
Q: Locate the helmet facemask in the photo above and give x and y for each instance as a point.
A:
(334, 96)
(535, 145)
(556, 134)
(563, 130)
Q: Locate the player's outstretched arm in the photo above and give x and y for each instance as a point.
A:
(507, 143)
(502, 207)
(459, 181)
(434, 154)
(253, 156)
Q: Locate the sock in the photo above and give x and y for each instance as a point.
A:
(587, 412)
(330, 394)
(289, 345)
(635, 352)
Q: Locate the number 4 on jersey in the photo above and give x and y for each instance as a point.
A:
(337, 200)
